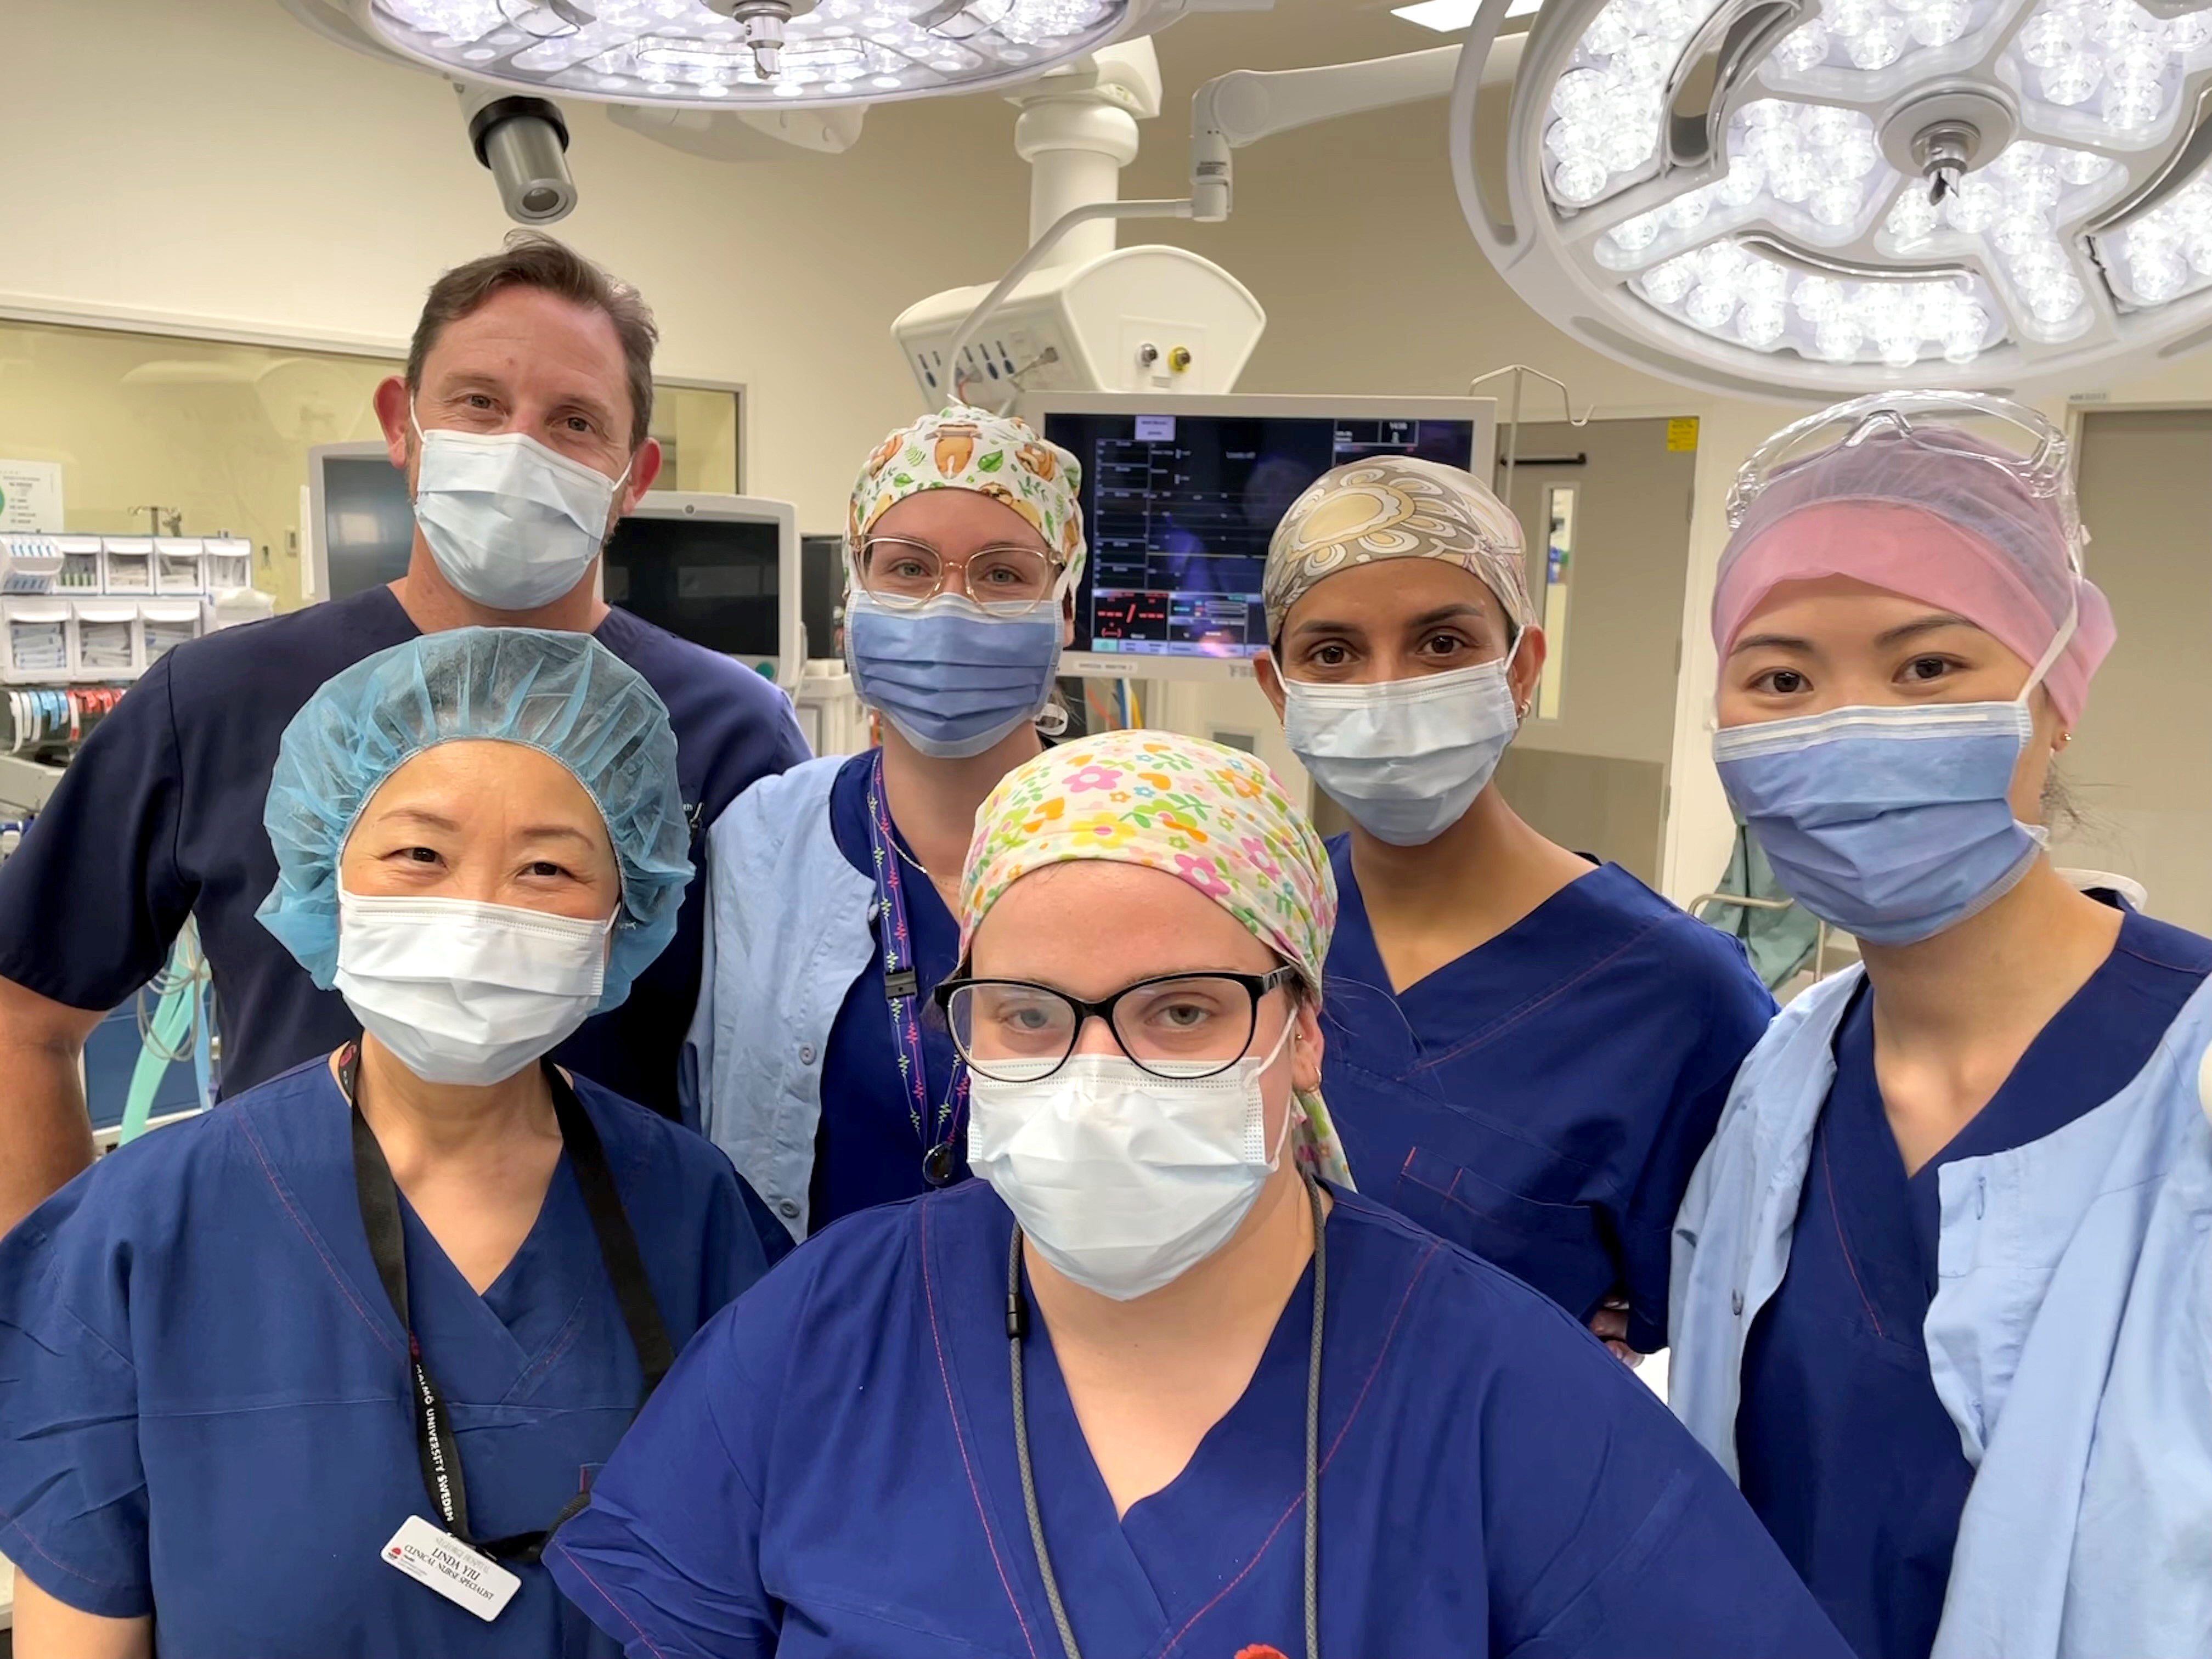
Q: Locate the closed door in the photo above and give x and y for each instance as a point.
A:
(1606, 511)
(2137, 782)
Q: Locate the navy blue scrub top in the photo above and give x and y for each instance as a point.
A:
(831, 1470)
(205, 1412)
(1543, 1100)
(1846, 1452)
(867, 1151)
(159, 817)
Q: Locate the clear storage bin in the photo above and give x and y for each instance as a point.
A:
(177, 565)
(228, 562)
(80, 572)
(106, 646)
(166, 627)
(126, 564)
(34, 640)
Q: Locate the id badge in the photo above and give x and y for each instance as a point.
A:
(461, 1575)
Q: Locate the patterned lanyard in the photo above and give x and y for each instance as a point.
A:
(903, 990)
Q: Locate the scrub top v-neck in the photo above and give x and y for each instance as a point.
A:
(1543, 1099)
(207, 1410)
(831, 1471)
(1846, 1452)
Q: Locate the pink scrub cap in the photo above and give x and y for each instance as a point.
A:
(1909, 501)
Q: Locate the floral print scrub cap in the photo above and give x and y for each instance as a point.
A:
(1396, 507)
(1212, 817)
(994, 455)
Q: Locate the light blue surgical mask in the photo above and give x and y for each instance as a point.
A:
(951, 676)
(512, 524)
(1893, 824)
(1406, 759)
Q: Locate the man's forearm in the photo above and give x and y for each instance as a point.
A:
(45, 1137)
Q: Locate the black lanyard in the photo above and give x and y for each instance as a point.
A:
(380, 1216)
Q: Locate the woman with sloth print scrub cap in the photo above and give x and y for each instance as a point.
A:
(830, 918)
(1159, 1383)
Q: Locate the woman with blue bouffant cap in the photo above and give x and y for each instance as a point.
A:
(316, 1372)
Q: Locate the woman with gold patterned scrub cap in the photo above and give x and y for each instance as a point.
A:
(832, 886)
(1160, 1382)
(1527, 1051)
(1943, 1282)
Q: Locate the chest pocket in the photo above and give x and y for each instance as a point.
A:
(1556, 1248)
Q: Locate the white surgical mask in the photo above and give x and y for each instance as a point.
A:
(512, 524)
(465, 992)
(1406, 759)
(1124, 1181)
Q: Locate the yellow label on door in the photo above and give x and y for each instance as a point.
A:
(1681, 433)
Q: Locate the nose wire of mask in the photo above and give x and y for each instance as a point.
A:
(1406, 759)
(1892, 823)
(1124, 1181)
(462, 991)
(512, 524)
(951, 676)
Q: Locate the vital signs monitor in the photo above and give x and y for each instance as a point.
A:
(1181, 494)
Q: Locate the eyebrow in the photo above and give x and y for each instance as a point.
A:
(553, 832)
(1898, 635)
(1427, 619)
(421, 814)
(1913, 630)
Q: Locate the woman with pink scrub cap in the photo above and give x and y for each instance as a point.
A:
(1932, 1291)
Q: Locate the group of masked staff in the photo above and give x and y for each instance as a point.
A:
(1100, 1217)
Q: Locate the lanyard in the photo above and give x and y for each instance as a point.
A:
(1018, 1328)
(903, 990)
(379, 1215)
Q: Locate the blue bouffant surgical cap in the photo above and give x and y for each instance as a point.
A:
(564, 694)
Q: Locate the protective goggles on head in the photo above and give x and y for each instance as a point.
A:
(1926, 423)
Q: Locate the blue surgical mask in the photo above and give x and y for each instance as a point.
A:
(512, 524)
(1893, 824)
(1406, 759)
(951, 676)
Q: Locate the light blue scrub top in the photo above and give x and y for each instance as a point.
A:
(205, 1397)
(2070, 1338)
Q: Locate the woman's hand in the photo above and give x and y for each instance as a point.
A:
(47, 1629)
(1610, 1324)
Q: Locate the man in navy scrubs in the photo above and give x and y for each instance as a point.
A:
(522, 425)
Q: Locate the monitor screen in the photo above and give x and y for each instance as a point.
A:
(368, 522)
(711, 581)
(1180, 507)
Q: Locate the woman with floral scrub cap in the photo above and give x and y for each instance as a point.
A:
(1160, 1383)
(829, 918)
(1527, 1052)
(313, 1374)
(1944, 1282)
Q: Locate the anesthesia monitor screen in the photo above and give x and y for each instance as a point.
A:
(1179, 508)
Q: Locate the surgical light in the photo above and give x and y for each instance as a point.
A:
(1792, 196)
(722, 54)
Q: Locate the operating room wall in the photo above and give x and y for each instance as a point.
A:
(221, 165)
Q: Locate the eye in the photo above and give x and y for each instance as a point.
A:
(580, 424)
(546, 868)
(1330, 654)
(1924, 669)
(1442, 645)
(416, 855)
(478, 400)
(1781, 683)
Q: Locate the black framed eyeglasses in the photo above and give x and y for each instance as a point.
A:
(1176, 1025)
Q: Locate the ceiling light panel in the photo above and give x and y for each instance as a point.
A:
(687, 52)
(1837, 194)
